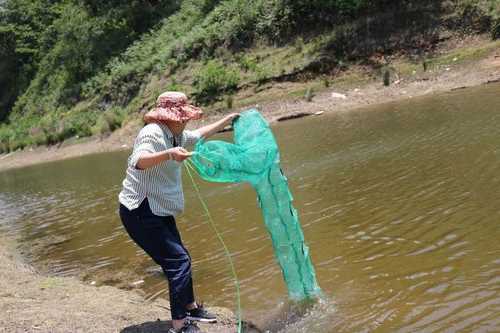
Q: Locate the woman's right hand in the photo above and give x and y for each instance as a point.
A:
(178, 154)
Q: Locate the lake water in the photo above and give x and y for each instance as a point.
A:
(399, 205)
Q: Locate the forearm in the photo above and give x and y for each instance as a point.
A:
(211, 129)
(149, 160)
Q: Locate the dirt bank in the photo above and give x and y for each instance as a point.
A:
(31, 302)
(467, 62)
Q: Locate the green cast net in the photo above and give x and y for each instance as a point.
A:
(254, 158)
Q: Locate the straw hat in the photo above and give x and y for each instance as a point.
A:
(172, 106)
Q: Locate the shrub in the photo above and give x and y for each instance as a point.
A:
(114, 118)
(247, 63)
(108, 121)
(56, 127)
(75, 124)
(387, 77)
(101, 127)
(4, 148)
(495, 29)
(425, 65)
(16, 144)
(173, 86)
(309, 95)
(4, 139)
(261, 74)
(37, 136)
(213, 80)
(39, 139)
(229, 102)
(326, 81)
(299, 44)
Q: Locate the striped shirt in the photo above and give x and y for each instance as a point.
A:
(161, 184)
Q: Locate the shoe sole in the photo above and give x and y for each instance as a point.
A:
(202, 320)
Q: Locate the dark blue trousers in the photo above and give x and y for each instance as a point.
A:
(159, 238)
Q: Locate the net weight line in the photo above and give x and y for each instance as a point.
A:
(190, 168)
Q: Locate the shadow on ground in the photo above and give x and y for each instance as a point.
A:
(158, 326)
(162, 326)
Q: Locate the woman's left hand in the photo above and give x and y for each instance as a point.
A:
(209, 130)
(228, 120)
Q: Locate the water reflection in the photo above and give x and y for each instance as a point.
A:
(398, 205)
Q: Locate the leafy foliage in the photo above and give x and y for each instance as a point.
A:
(213, 80)
(495, 29)
(76, 67)
(23, 41)
(56, 46)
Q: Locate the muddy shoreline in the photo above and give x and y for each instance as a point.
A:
(34, 302)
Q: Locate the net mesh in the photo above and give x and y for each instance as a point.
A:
(254, 158)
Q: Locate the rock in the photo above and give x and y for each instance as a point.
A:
(338, 95)
(319, 113)
(137, 283)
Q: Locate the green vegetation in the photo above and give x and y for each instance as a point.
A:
(81, 67)
(213, 80)
(387, 77)
(309, 95)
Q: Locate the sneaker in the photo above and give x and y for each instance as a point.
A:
(201, 315)
(189, 327)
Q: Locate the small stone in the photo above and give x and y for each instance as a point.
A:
(337, 95)
(139, 282)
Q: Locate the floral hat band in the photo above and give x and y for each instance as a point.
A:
(172, 106)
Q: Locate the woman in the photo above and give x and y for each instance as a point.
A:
(152, 197)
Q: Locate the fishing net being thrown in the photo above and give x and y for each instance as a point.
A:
(254, 158)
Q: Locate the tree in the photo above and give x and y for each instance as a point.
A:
(23, 25)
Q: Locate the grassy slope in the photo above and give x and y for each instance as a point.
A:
(177, 54)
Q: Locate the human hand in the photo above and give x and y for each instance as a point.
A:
(228, 120)
(178, 154)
